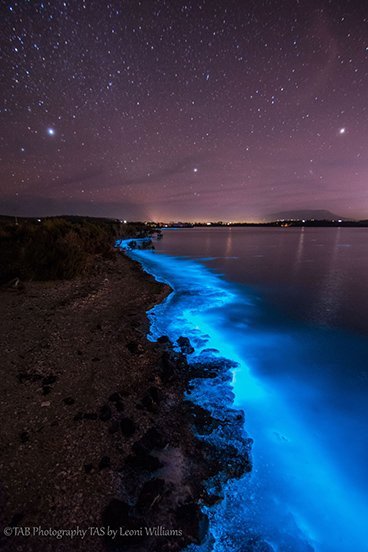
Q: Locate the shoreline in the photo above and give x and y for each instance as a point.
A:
(209, 397)
(87, 443)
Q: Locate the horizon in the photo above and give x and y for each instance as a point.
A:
(208, 222)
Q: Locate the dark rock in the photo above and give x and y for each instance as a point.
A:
(248, 442)
(193, 522)
(117, 399)
(139, 449)
(185, 345)
(127, 427)
(228, 459)
(49, 380)
(96, 359)
(201, 418)
(164, 340)
(88, 468)
(211, 499)
(155, 393)
(143, 461)
(168, 366)
(46, 389)
(153, 439)
(212, 368)
(105, 413)
(152, 399)
(68, 401)
(119, 406)
(205, 370)
(24, 436)
(150, 495)
(116, 514)
(104, 463)
(149, 404)
(90, 416)
(114, 397)
(134, 347)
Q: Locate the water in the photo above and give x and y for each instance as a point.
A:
(290, 307)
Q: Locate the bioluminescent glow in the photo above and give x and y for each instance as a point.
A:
(304, 493)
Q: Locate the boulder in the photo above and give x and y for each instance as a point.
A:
(185, 345)
(164, 340)
(142, 460)
(153, 439)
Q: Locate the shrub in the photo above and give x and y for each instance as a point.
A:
(55, 248)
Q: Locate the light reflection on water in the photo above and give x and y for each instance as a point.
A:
(302, 386)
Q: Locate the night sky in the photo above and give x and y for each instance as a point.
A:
(166, 110)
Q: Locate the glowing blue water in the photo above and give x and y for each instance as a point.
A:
(307, 416)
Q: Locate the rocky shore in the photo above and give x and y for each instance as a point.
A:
(96, 434)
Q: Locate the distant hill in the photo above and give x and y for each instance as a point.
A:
(307, 214)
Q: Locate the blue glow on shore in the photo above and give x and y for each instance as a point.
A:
(301, 496)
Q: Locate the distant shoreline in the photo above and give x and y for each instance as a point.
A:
(149, 225)
(275, 224)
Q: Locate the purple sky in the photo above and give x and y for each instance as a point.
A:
(170, 110)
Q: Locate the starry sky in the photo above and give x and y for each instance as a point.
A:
(173, 110)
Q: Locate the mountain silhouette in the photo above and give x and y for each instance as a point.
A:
(305, 214)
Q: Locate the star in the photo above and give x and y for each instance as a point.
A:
(209, 70)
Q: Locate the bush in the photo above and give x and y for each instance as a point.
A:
(55, 248)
